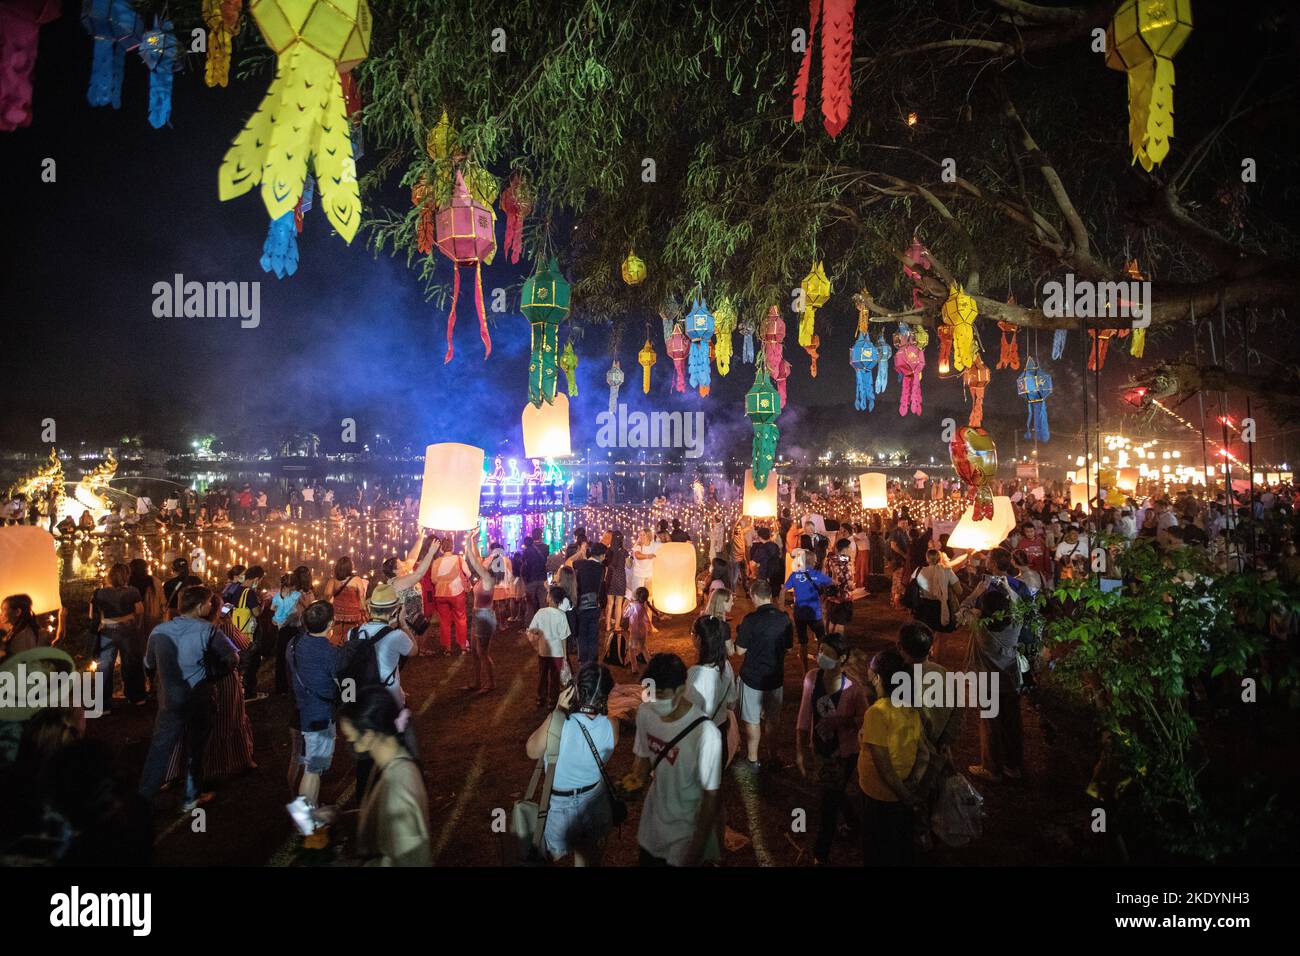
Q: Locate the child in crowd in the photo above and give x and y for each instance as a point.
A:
(638, 618)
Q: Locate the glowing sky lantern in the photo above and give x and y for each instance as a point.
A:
(29, 564)
(987, 533)
(759, 502)
(874, 489)
(546, 429)
(673, 584)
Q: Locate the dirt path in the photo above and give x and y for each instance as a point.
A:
(474, 760)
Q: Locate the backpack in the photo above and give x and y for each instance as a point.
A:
(358, 660)
(242, 615)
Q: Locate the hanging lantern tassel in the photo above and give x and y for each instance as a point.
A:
(614, 379)
(812, 352)
(724, 324)
(216, 68)
(114, 25)
(1009, 353)
(422, 199)
(747, 344)
(20, 26)
(837, 59)
(863, 358)
(302, 120)
(909, 362)
(960, 312)
(1138, 343)
(884, 351)
(1142, 38)
(976, 379)
(1035, 385)
(158, 50)
(1100, 343)
(280, 251)
(763, 406)
(516, 203)
(646, 358)
(699, 329)
(945, 349)
(1058, 344)
(569, 363)
(544, 300)
(679, 347)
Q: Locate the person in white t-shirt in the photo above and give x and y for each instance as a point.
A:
(549, 632)
(677, 744)
(643, 564)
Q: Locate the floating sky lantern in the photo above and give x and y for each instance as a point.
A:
(20, 26)
(699, 329)
(29, 564)
(546, 429)
(303, 117)
(984, 534)
(759, 502)
(874, 489)
(1141, 40)
(909, 362)
(975, 459)
(673, 583)
(646, 358)
(763, 407)
(453, 478)
(1034, 386)
(959, 313)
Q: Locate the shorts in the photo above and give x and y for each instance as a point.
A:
(317, 749)
(584, 818)
(484, 626)
(757, 704)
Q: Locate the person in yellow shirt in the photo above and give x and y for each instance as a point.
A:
(891, 759)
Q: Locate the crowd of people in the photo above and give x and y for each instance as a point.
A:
(208, 651)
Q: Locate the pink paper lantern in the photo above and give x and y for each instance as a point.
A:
(20, 22)
(464, 232)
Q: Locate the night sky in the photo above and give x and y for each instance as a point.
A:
(348, 335)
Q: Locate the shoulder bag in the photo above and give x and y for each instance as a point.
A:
(617, 806)
(528, 817)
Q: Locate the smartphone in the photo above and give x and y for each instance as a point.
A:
(227, 608)
(300, 813)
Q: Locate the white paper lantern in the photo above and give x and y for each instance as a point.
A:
(1079, 493)
(673, 583)
(873, 486)
(546, 429)
(986, 533)
(29, 564)
(759, 504)
(1126, 479)
(453, 478)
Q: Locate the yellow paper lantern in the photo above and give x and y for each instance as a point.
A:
(673, 582)
(1141, 40)
(633, 269)
(546, 429)
(960, 312)
(816, 291)
(453, 477)
(987, 533)
(758, 504)
(29, 564)
(873, 486)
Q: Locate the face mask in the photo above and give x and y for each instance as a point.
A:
(663, 707)
(826, 662)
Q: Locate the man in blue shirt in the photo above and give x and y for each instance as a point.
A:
(312, 662)
(807, 586)
(175, 661)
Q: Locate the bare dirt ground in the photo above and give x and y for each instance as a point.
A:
(474, 763)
